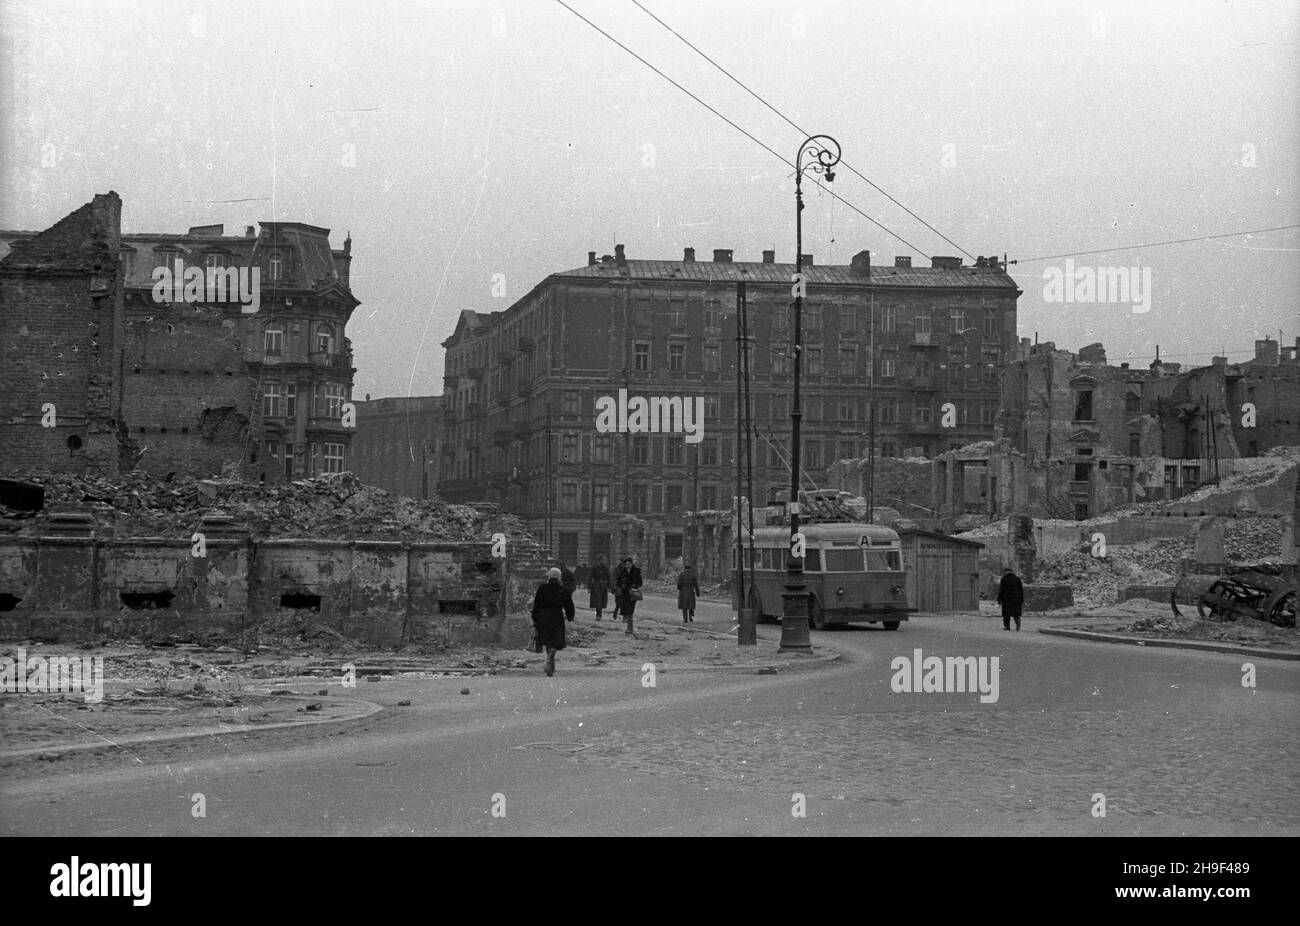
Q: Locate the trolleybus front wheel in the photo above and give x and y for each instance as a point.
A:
(891, 625)
(815, 619)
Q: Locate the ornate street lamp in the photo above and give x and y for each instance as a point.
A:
(819, 154)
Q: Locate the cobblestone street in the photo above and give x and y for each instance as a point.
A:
(1171, 738)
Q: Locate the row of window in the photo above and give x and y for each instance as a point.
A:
(642, 497)
(212, 260)
(273, 341)
(817, 361)
(280, 400)
(926, 321)
(310, 459)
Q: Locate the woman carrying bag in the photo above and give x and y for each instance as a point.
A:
(627, 589)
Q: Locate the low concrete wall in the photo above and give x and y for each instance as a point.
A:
(380, 593)
(1158, 593)
(1048, 597)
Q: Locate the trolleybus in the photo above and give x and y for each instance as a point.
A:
(853, 573)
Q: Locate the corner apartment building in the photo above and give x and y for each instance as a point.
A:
(521, 386)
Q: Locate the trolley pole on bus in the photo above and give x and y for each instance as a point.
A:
(823, 153)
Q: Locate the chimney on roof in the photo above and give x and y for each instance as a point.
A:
(861, 264)
(591, 258)
(902, 261)
(722, 255)
(1266, 352)
(618, 254)
(807, 260)
(769, 257)
(945, 263)
(688, 255)
(1218, 361)
(249, 232)
(1123, 366)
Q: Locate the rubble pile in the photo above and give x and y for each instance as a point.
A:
(1252, 540)
(1095, 581)
(333, 507)
(1154, 562)
(1247, 473)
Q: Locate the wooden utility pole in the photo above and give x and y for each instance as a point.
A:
(747, 632)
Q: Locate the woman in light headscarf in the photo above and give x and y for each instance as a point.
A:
(552, 606)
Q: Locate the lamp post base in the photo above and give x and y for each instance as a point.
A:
(794, 616)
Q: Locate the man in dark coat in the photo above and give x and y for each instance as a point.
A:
(598, 583)
(582, 575)
(627, 578)
(567, 579)
(1011, 595)
(552, 606)
(688, 587)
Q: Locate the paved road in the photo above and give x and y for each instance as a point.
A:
(1171, 738)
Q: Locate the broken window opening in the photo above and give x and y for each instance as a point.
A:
(300, 600)
(147, 601)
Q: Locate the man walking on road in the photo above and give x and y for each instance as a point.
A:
(1011, 595)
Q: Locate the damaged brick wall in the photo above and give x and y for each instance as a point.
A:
(60, 330)
(188, 399)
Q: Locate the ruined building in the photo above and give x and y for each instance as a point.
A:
(200, 353)
(1079, 437)
(521, 386)
(61, 330)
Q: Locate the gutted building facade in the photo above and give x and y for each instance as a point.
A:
(1079, 437)
(200, 353)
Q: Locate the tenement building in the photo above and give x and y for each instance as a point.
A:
(199, 353)
(541, 399)
(397, 444)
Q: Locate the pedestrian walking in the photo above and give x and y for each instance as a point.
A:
(688, 588)
(582, 575)
(552, 606)
(627, 589)
(1011, 595)
(567, 579)
(599, 586)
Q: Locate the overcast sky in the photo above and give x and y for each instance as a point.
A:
(456, 141)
